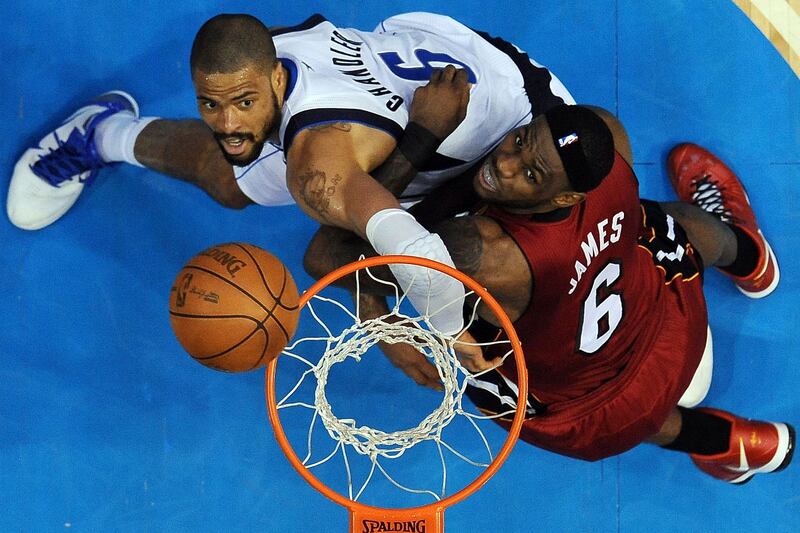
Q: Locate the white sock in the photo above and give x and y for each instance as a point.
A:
(116, 136)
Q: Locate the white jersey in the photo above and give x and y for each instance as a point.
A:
(349, 75)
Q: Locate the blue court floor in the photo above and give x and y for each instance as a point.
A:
(106, 425)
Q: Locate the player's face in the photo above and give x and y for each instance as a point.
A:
(241, 108)
(524, 173)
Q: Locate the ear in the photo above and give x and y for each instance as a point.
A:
(568, 199)
(279, 78)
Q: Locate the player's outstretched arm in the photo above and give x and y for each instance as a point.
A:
(327, 174)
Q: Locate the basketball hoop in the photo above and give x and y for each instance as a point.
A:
(378, 445)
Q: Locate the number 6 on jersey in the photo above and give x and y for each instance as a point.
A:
(600, 318)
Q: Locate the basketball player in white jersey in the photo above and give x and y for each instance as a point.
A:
(304, 115)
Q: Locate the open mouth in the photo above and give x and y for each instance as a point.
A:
(486, 178)
(234, 145)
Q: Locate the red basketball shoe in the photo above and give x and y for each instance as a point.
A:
(700, 178)
(755, 447)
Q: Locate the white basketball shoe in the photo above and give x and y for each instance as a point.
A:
(48, 178)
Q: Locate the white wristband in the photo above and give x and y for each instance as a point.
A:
(436, 295)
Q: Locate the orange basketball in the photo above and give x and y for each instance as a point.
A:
(234, 307)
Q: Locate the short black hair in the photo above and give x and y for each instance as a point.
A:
(230, 42)
(584, 144)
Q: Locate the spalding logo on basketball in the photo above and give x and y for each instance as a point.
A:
(234, 307)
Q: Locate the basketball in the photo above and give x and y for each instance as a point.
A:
(234, 307)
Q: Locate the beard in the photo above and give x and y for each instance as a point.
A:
(246, 158)
(257, 145)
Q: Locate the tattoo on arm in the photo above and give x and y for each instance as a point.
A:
(316, 190)
(464, 242)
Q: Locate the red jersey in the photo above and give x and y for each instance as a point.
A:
(597, 295)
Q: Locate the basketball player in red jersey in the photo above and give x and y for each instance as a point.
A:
(605, 291)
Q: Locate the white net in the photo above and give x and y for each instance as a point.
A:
(318, 355)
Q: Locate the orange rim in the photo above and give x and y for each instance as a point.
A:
(432, 511)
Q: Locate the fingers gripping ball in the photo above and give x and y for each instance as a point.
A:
(234, 307)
